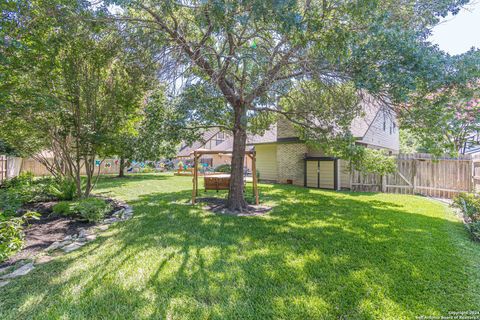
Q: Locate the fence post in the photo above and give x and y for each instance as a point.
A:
(414, 178)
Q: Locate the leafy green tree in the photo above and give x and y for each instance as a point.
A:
(153, 134)
(75, 85)
(444, 115)
(238, 58)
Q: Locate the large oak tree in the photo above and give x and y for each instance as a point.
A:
(240, 57)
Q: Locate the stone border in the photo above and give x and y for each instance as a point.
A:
(70, 243)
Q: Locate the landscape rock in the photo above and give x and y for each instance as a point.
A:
(102, 227)
(54, 246)
(83, 233)
(111, 220)
(73, 246)
(23, 270)
(91, 237)
(119, 213)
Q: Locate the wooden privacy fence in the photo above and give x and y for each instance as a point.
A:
(3, 168)
(442, 177)
(107, 166)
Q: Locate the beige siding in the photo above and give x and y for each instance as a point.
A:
(312, 174)
(267, 161)
(327, 174)
(380, 136)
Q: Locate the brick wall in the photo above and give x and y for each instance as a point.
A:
(290, 164)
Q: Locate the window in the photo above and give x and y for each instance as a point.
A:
(220, 137)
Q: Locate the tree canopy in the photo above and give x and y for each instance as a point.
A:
(75, 85)
(75, 73)
(239, 60)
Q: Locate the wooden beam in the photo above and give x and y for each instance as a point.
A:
(254, 176)
(200, 152)
(194, 192)
(196, 173)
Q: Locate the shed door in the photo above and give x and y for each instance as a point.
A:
(312, 174)
(327, 175)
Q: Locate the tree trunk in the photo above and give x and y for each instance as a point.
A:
(121, 174)
(236, 200)
(89, 170)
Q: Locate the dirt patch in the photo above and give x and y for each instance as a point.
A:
(217, 205)
(40, 234)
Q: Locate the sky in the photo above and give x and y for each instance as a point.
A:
(457, 34)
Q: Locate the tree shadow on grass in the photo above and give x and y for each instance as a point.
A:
(315, 255)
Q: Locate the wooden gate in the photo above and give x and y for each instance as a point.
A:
(321, 172)
(422, 174)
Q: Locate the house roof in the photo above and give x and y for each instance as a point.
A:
(361, 123)
(358, 128)
(186, 150)
(269, 136)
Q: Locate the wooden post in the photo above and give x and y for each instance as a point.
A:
(196, 173)
(254, 176)
(414, 178)
(384, 183)
(194, 191)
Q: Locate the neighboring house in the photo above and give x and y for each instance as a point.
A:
(212, 139)
(472, 145)
(282, 157)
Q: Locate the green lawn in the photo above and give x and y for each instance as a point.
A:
(318, 254)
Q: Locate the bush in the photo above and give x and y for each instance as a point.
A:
(469, 204)
(147, 170)
(63, 208)
(92, 209)
(25, 188)
(224, 168)
(62, 189)
(474, 228)
(11, 233)
(23, 179)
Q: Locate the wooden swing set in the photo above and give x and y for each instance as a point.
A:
(220, 181)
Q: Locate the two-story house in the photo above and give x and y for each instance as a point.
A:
(282, 157)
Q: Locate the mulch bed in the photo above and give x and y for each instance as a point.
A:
(217, 205)
(40, 234)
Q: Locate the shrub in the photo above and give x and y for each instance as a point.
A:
(92, 209)
(469, 204)
(63, 208)
(11, 233)
(147, 170)
(62, 189)
(23, 179)
(224, 168)
(474, 228)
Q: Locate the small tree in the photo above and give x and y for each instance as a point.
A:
(74, 86)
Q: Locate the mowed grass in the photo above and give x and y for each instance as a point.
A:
(317, 254)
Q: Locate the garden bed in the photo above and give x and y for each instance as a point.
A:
(49, 228)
